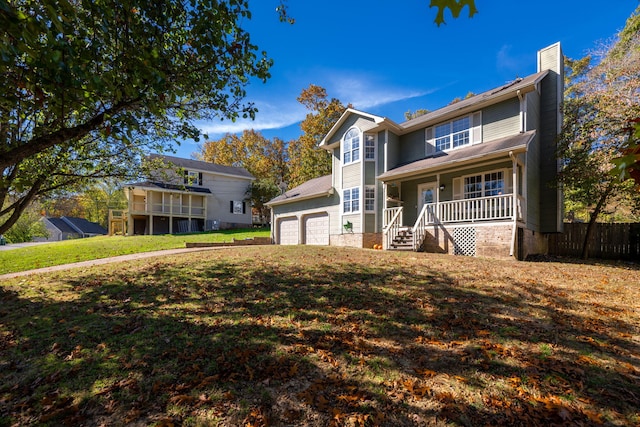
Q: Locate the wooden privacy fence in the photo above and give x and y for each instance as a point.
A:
(608, 241)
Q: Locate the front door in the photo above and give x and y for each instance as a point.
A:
(427, 194)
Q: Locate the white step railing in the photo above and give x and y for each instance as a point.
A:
(427, 216)
(392, 225)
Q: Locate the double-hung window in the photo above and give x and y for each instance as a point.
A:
(453, 134)
(483, 185)
(369, 198)
(351, 147)
(351, 200)
(369, 147)
(192, 178)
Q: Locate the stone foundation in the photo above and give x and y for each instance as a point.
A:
(470, 239)
(356, 240)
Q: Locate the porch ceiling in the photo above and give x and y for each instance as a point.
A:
(487, 150)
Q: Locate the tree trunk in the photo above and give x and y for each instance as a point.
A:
(592, 221)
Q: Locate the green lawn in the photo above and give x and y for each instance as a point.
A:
(76, 250)
(321, 336)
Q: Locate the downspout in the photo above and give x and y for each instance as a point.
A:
(514, 191)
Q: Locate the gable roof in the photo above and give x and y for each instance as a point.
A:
(200, 166)
(377, 120)
(440, 160)
(85, 226)
(61, 225)
(508, 90)
(313, 188)
(511, 89)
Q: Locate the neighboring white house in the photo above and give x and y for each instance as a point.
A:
(186, 196)
(476, 177)
(65, 227)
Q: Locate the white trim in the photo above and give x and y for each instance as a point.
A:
(424, 186)
(364, 146)
(351, 151)
(350, 190)
(364, 198)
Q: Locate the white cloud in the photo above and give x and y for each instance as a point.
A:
(366, 92)
(269, 116)
(278, 108)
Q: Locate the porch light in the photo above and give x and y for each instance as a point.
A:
(442, 187)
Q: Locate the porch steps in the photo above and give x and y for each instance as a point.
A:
(403, 241)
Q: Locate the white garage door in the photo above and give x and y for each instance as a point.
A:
(288, 231)
(316, 228)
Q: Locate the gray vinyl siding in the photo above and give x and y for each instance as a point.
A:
(351, 176)
(355, 219)
(533, 164)
(369, 223)
(369, 173)
(549, 206)
(412, 147)
(224, 190)
(551, 92)
(380, 152)
(336, 175)
(324, 202)
(393, 151)
(501, 120)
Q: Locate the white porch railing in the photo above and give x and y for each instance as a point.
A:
(392, 225)
(468, 210)
(478, 209)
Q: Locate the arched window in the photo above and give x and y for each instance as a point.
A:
(351, 146)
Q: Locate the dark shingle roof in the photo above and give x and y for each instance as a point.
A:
(61, 225)
(68, 224)
(198, 165)
(443, 159)
(313, 188)
(86, 226)
(510, 88)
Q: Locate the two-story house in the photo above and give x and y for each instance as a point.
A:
(185, 196)
(476, 177)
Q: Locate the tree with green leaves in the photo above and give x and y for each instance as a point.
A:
(265, 159)
(599, 103)
(307, 161)
(28, 226)
(89, 87)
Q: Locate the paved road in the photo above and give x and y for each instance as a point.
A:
(10, 246)
(107, 261)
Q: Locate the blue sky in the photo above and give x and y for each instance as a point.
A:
(389, 57)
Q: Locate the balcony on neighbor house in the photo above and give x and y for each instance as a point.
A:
(164, 204)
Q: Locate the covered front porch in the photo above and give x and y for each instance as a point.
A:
(399, 235)
(449, 192)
